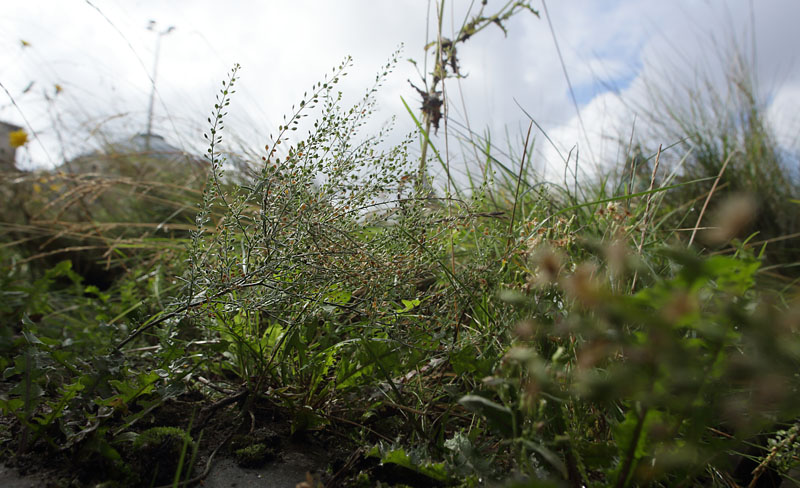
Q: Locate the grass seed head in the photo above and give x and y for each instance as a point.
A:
(732, 218)
(548, 263)
(583, 285)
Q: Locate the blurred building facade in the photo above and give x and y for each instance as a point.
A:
(8, 153)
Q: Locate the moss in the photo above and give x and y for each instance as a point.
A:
(254, 455)
(157, 452)
(256, 448)
(159, 436)
(363, 481)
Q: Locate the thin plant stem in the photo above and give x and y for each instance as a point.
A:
(628, 463)
(646, 213)
(710, 194)
(516, 191)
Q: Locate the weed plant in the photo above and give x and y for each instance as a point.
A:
(314, 280)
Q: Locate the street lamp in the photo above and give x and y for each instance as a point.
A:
(151, 27)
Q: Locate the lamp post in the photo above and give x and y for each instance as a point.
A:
(151, 27)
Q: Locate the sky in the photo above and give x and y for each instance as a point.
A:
(78, 73)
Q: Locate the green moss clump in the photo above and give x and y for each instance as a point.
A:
(363, 481)
(254, 455)
(158, 450)
(160, 436)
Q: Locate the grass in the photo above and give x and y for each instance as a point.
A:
(724, 134)
(513, 331)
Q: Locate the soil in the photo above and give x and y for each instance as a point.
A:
(291, 469)
(10, 478)
(254, 450)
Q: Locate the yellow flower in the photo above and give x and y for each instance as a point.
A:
(18, 138)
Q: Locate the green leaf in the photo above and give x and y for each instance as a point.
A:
(11, 406)
(31, 337)
(732, 275)
(498, 416)
(101, 446)
(630, 441)
(436, 471)
(513, 297)
(466, 360)
(340, 297)
(464, 458)
(548, 456)
(408, 305)
(34, 391)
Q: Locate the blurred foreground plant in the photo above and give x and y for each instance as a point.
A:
(658, 387)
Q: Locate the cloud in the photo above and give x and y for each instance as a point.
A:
(608, 48)
(668, 49)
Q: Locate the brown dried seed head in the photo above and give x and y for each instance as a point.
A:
(583, 286)
(549, 264)
(679, 305)
(616, 255)
(593, 353)
(732, 218)
(525, 330)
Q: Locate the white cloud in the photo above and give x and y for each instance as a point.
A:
(284, 47)
(784, 117)
(669, 45)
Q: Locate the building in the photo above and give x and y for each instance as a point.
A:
(139, 156)
(8, 154)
